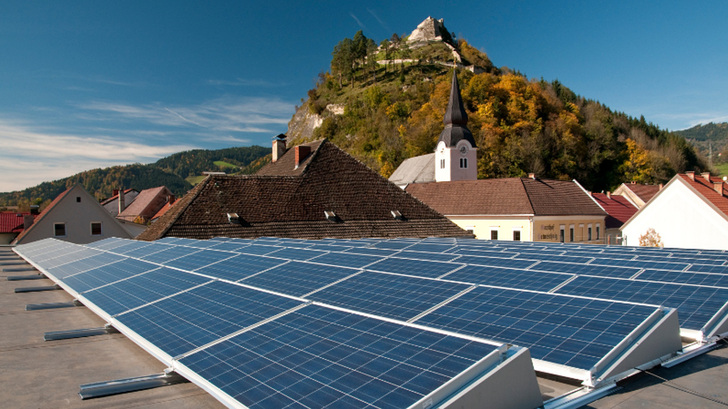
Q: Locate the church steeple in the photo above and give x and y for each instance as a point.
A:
(456, 119)
(455, 155)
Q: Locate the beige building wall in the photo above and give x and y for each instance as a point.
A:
(483, 226)
(549, 228)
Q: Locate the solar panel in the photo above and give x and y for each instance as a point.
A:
(665, 265)
(388, 295)
(506, 277)
(191, 319)
(495, 261)
(717, 280)
(142, 289)
(575, 332)
(585, 269)
(106, 274)
(169, 254)
(696, 305)
(83, 264)
(420, 255)
(298, 278)
(240, 266)
(422, 268)
(292, 253)
(318, 357)
(346, 259)
(199, 259)
(703, 268)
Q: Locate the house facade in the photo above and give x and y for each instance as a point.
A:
(619, 209)
(73, 216)
(691, 211)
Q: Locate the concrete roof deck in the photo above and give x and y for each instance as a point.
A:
(39, 374)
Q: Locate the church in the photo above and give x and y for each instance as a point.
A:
(520, 209)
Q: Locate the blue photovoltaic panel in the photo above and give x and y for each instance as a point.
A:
(506, 277)
(142, 289)
(372, 252)
(229, 246)
(665, 265)
(292, 253)
(240, 266)
(420, 255)
(152, 248)
(130, 246)
(703, 268)
(586, 269)
(258, 249)
(106, 274)
(394, 244)
(199, 259)
(683, 259)
(422, 268)
(108, 243)
(553, 257)
(297, 278)
(495, 261)
(494, 252)
(666, 276)
(61, 255)
(168, 254)
(199, 244)
(695, 304)
(431, 247)
(387, 295)
(318, 357)
(576, 332)
(194, 318)
(346, 259)
(84, 264)
(330, 247)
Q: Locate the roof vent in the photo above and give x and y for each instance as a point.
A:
(397, 215)
(233, 218)
(330, 215)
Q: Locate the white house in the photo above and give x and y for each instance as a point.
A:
(691, 211)
(73, 216)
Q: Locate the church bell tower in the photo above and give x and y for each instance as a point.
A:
(455, 155)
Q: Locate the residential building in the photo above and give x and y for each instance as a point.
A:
(117, 203)
(146, 205)
(638, 194)
(314, 190)
(691, 211)
(73, 216)
(13, 223)
(619, 209)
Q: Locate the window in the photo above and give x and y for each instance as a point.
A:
(588, 233)
(463, 163)
(571, 233)
(95, 228)
(516, 235)
(494, 234)
(442, 163)
(562, 233)
(59, 229)
(78, 199)
(597, 232)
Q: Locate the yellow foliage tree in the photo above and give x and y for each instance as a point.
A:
(651, 239)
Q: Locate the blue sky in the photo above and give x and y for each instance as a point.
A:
(88, 84)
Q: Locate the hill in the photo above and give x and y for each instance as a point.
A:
(386, 103)
(172, 171)
(709, 138)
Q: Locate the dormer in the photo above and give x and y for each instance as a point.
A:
(455, 154)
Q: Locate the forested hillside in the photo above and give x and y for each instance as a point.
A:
(709, 138)
(385, 104)
(171, 171)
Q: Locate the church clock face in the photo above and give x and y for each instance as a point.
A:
(463, 149)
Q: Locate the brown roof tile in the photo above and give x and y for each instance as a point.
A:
(706, 189)
(618, 208)
(293, 205)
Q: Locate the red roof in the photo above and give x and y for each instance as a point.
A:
(705, 186)
(618, 208)
(12, 222)
(644, 192)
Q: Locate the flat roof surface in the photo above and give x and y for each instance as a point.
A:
(47, 374)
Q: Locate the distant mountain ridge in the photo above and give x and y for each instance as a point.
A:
(709, 137)
(171, 171)
(385, 103)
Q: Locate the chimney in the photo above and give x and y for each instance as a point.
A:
(122, 200)
(690, 174)
(279, 147)
(532, 176)
(302, 153)
(114, 192)
(659, 187)
(34, 209)
(609, 195)
(706, 176)
(718, 187)
(28, 220)
(171, 199)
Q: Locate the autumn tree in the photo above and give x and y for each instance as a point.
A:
(650, 239)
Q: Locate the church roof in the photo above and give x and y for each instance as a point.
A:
(456, 119)
(418, 169)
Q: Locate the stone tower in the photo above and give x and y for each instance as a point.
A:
(455, 155)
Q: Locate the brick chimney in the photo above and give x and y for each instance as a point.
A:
(122, 200)
(279, 147)
(706, 176)
(532, 176)
(609, 195)
(690, 174)
(718, 187)
(302, 153)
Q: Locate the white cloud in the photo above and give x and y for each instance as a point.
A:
(30, 156)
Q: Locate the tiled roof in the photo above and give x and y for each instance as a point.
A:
(706, 189)
(43, 214)
(116, 197)
(294, 205)
(286, 164)
(418, 169)
(147, 203)
(507, 196)
(618, 208)
(644, 192)
(12, 222)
